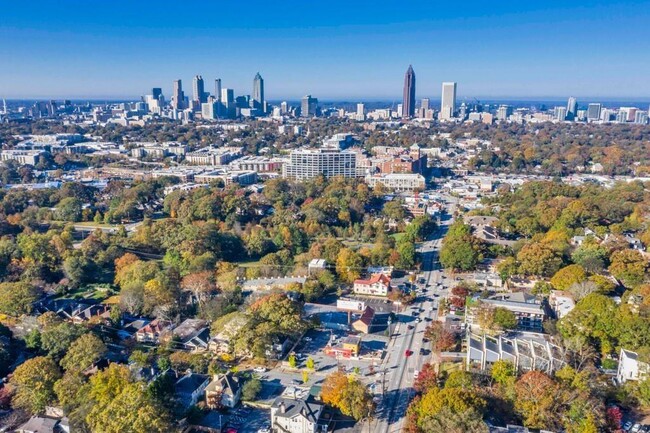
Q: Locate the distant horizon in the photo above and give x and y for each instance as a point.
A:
(374, 100)
(335, 49)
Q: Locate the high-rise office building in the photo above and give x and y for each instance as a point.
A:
(258, 92)
(448, 100)
(325, 161)
(593, 112)
(178, 97)
(156, 93)
(228, 103)
(408, 100)
(572, 108)
(426, 104)
(560, 113)
(308, 106)
(503, 112)
(199, 90)
(217, 89)
(284, 107)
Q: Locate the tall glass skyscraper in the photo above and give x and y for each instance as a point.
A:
(408, 104)
(178, 97)
(258, 92)
(199, 89)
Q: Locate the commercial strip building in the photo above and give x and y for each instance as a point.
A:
(529, 311)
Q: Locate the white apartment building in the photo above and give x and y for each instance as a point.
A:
(377, 285)
(213, 155)
(397, 181)
(329, 162)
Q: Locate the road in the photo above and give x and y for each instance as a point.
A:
(397, 368)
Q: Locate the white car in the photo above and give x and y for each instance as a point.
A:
(416, 373)
(307, 339)
(259, 370)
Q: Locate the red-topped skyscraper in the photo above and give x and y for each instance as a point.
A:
(408, 104)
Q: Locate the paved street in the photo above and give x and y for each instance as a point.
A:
(399, 369)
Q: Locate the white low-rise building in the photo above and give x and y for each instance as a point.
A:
(397, 181)
(630, 368)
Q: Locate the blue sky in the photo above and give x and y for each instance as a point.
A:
(331, 49)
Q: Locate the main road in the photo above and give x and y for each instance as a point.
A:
(403, 357)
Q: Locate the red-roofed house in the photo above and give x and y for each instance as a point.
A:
(377, 285)
(153, 331)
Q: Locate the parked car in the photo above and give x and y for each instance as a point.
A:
(259, 370)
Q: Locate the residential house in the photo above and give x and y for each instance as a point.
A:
(376, 285)
(630, 367)
(152, 332)
(561, 303)
(189, 388)
(220, 343)
(297, 416)
(193, 334)
(223, 391)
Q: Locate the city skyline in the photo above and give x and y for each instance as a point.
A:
(502, 50)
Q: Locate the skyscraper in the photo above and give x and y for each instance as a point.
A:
(308, 106)
(217, 89)
(448, 100)
(258, 92)
(593, 112)
(572, 108)
(178, 97)
(199, 90)
(408, 103)
(228, 103)
(156, 92)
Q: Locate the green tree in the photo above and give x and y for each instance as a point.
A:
(251, 389)
(503, 371)
(57, 338)
(68, 209)
(34, 381)
(83, 352)
(504, 318)
(17, 298)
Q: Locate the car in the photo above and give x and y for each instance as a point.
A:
(627, 426)
(408, 353)
(409, 326)
(386, 301)
(636, 428)
(264, 430)
(416, 373)
(259, 369)
(307, 339)
(418, 320)
(231, 430)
